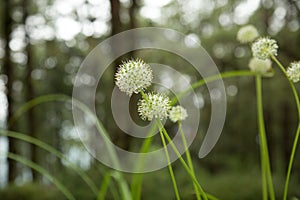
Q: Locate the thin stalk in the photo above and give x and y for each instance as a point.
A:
(211, 197)
(296, 139)
(292, 157)
(52, 150)
(143, 95)
(185, 166)
(104, 186)
(44, 172)
(112, 186)
(169, 165)
(189, 160)
(267, 183)
(125, 191)
(137, 179)
(262, 155)
(229, 74)
(83, 107)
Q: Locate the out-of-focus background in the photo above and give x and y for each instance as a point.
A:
(43, 43)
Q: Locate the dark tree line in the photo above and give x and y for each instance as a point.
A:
(10, 70)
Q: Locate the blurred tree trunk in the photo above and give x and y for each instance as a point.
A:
(297, 9)
(31, 119)
(8, 70)
(132, 24)
(132, 14)
(116, 25)
(121, 139)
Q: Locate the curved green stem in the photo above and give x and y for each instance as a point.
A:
(211, 197)
(52, 150)
(169, 165)
(267, 183)
(44, 172)
(36, 101)
(295, 93)
(229, 74)
(189, 159)
(296, 139)
(58, 97)
(292, 157)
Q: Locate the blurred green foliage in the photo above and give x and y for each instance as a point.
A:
(231, 170)
(30, 192)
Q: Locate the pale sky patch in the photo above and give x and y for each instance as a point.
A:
(244, 10)
(153, 9)
(67, 28)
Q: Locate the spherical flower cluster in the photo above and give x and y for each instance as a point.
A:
(177, 113)
(293, 72)
(259, 65)
(133, 76)
(263, 48)
(247, 34)
(154, 106)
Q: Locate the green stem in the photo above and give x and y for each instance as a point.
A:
(112, 186)
(229, 74)
(104, 185)
(211, 197)
(169, 165)
(267, 182)
(111, 151)
(52, 150)
(185, 166)
(125, 191)
(296, 139)
(144, 96)
(44, 172)
(137, 179)
(260, 124)
(83, 107)
(292, 157)
(189, 160)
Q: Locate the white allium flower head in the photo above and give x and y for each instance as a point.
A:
(247, 34)
(264, 47)
(259, 65)
(154, 105)
(177, 113)
(293, 72)
(133, 76)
